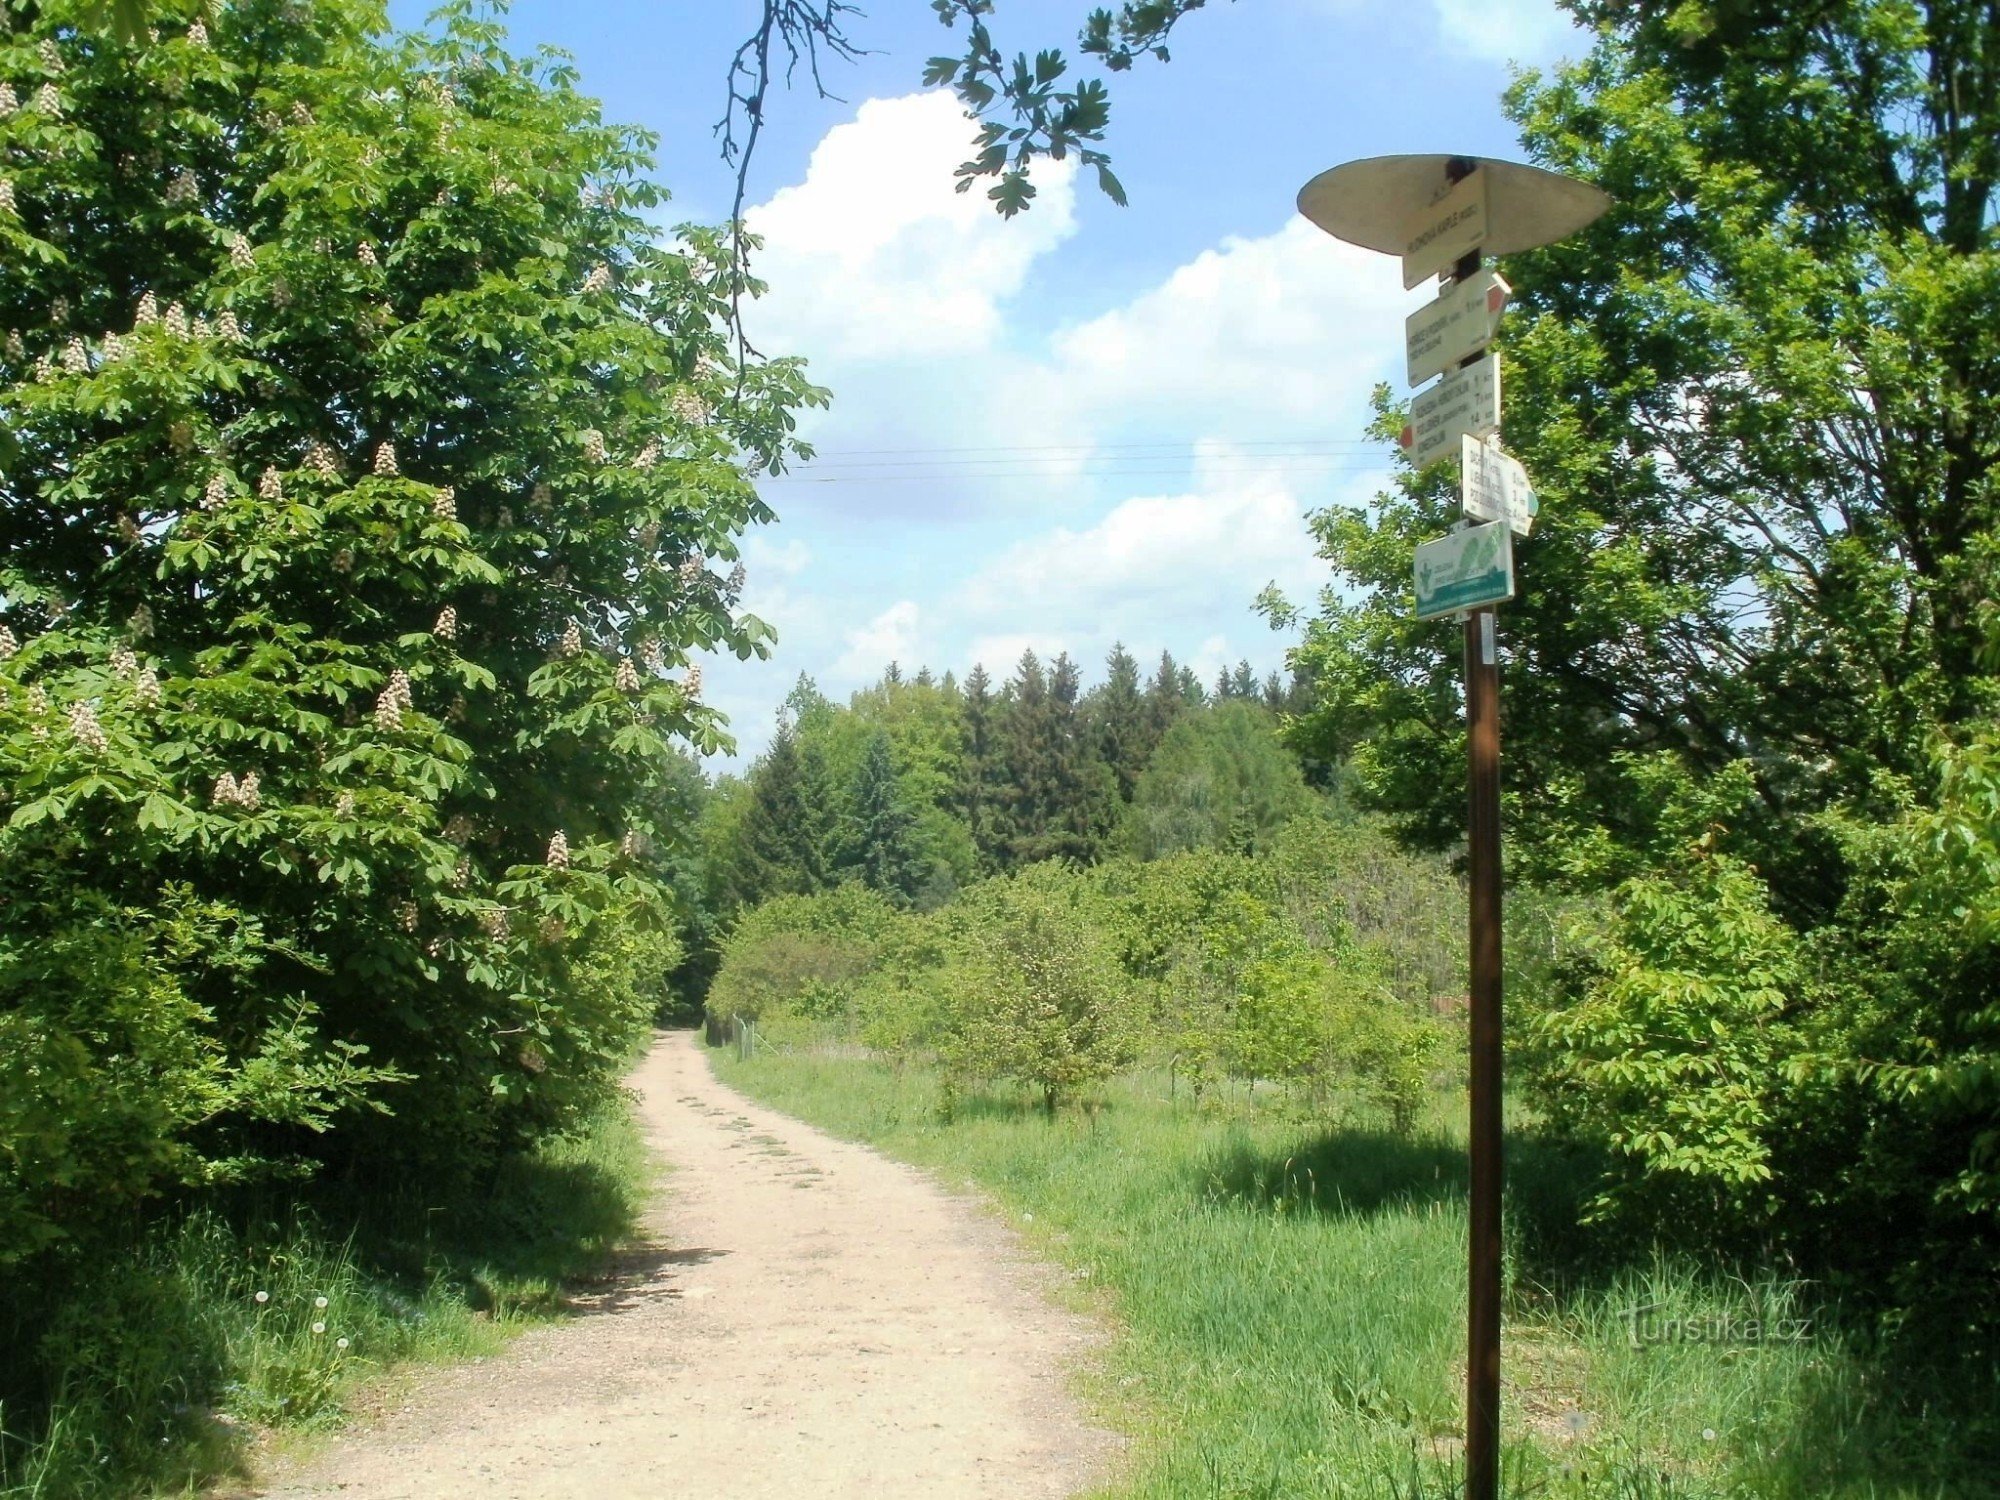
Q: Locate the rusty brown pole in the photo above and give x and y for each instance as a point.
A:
(1482, 748)
(1482, 1370)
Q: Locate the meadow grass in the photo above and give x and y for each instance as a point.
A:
(151, 1369)
(1288, 1305)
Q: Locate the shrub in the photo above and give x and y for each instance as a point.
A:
(349, 481)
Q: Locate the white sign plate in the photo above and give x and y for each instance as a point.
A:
(1494, 487)
(1465, 569)
(1465, 401)
(1451, 226)
(1459, 323)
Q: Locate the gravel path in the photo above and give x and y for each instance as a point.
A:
(809, 1320)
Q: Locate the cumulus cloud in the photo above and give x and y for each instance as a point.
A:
(874, 255)
(889, 636)
(1529, 32)
(1283, 328)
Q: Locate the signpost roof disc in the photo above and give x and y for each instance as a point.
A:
(1371, 202)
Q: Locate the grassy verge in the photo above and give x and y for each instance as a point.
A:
(151, 1370)
(1291, 1313)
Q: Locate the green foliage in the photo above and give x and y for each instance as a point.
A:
(357, 495)
(802, 957)
(1667, 1043)
(1037, 989)
(1218, 780)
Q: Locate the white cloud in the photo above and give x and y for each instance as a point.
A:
(1529, 32)
(1283, 328)
(875, 256)
(890, 636)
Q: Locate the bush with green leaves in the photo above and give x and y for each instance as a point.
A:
(1035, 989)
(369, 469)
(802, 957)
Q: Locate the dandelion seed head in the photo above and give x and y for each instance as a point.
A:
(340, 1343)
(262, 1297)
(319, 1327)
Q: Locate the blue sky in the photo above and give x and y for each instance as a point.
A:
(1090, 423)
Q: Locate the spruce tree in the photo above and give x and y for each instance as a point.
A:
(1082, 795)
(976, 799)
(1022, 791)
(774, 855)
(883, 847)
(1165, 700)
(1118, 725)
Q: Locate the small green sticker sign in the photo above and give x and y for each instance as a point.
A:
(1464, 570)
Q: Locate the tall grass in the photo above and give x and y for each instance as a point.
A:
(148, 1366)
(1289, 1306)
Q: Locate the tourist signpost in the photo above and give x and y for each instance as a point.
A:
(1441, 214)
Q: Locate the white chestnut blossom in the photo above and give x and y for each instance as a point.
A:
(197, 35)
(593, 445)
(737, 577)
(628, 676)
(649, 536)
(148, 313)
(38, 699)
(366, 254)
(17, 350)
(83, 724)
(239, 251)
(395, 698)
(75, 358)
(446, 628)
(140, 622)
(385, 460)
(694, 568)
(505, 520)
(654, 656)
(9, 100)
(48, 101)
(552, 931)
(224, 792)
(146, 690)
(51, 59)
(123, 662)
(128, 530)
(228, 327)
(176, 320)
(59, 311)
(559, 851)
(45, 368)
(343, 560)
(648, 455)
(247, 795)
(9, 643)
(301, 115)
(572, 639)
(271, 486)
(691, 684)
(320, 458)
(541, 497)
(690, 407)
(181, 187)
(494, 920)
(113, 347)
(406, 913)
(444, 504)
(7, 194)
(599, 279)
(343, 805)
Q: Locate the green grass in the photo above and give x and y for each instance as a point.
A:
(148, 1369)
(1289, 1308)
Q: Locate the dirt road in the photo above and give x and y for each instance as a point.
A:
(810, 1321)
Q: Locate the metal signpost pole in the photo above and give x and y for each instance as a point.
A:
(1442, 214)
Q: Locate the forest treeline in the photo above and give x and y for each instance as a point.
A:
(920, 784)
